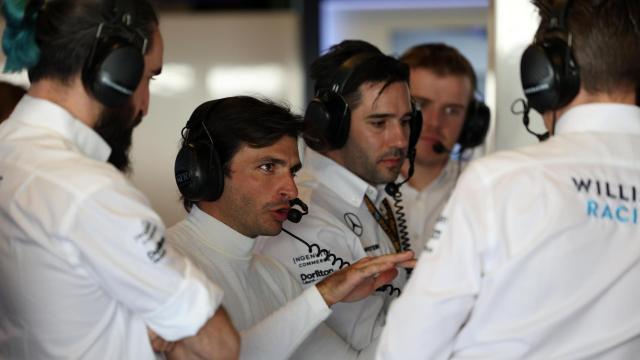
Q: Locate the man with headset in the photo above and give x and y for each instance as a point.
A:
(84, 268)
(537, 254)
(357, 130)
(236, 171)
(443, 86)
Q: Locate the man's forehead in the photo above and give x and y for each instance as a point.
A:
(373, 92)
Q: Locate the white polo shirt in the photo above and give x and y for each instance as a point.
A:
(537, 255)
(84, 268)
(339, 222)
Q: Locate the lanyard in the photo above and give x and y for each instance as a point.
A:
(388, 223)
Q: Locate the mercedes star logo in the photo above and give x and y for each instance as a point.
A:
(354, 223)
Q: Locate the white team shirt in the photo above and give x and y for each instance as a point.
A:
(83, 264)
(338, 221)
(537, 254)
(423, 207)
(269, 308)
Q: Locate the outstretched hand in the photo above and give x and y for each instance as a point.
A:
(363, 277)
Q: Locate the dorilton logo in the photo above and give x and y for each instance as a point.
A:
(316, 275)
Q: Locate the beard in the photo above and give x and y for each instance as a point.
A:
(115, 126)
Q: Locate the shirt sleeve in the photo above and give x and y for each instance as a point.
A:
(279, 335)
(120, 240)
(424, 321)
(297, 331)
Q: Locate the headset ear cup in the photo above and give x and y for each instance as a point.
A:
(198, 173)
(327, 121)
(476, 125)
(415, 127)
(114, 71)
(549, 74)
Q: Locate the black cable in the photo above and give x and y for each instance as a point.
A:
(336, 259)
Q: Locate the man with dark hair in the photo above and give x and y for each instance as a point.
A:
(254, 143)
(537, 255)
(84, 268)
(357, 129)
(442, 85)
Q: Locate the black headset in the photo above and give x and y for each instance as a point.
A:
(476, 125)
(115, 65)
(328, 116)
(548, 71)
(198, 171)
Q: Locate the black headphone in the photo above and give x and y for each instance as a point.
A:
(198, 171)
(476, 125)
(115, 65)
(328, 116)
(549, 73)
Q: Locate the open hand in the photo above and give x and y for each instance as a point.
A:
(363, 277)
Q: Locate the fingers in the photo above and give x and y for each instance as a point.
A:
(409, 264)
(385, 277)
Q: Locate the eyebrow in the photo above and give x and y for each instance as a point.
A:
(420, 98)
(271, 159)
(381, 116)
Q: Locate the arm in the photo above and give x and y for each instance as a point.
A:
(120, 240)
(281, 333)
(217, 339)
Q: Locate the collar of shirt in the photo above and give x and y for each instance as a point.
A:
(46, 114)
(449, 171)
(343, 182)
(601, 117)
(219, 236)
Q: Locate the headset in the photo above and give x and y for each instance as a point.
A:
(198, 171)
(549, 73)
(476, 124)
(328, 116)
(115, 64)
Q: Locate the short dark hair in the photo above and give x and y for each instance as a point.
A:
(243, 120)
(9, 96)
(441, 59)
(66, 30)
(375, 67)
(605, 41)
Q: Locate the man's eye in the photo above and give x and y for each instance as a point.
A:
(377, 124)
(452, 111)
(267, 167)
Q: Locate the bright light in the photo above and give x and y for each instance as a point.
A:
(174, 80)
(263, 80)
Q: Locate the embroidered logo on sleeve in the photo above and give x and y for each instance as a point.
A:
(432, 244)
(153, 241)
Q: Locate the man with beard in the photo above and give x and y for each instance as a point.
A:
(84, 268)
(357, 129)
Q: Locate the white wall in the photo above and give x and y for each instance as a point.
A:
(512, 26)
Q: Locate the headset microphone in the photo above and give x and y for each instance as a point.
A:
(296, 215)
(439, 148)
